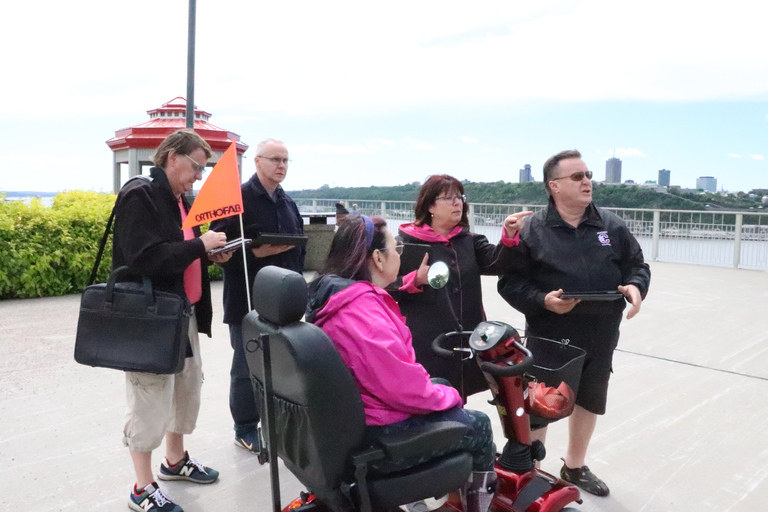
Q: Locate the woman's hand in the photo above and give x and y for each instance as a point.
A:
(421, 273)
(515, 222)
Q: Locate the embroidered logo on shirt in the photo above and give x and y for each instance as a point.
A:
(602, 236)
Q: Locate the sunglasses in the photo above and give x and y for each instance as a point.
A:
(577, 176)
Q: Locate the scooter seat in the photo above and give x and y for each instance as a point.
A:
(319, 426)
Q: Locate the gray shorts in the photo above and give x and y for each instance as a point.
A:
(163, 403)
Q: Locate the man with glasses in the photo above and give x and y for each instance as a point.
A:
(148, 238)
(266, 209)
(574, 246)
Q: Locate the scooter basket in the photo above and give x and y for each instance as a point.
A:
(557, 369)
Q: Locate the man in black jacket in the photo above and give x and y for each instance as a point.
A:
(148, 238)
(572, 245)
(266, 209)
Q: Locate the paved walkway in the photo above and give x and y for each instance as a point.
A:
(685, 428)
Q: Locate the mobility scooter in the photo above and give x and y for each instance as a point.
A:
(315, 421)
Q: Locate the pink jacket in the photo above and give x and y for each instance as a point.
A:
(369, 332)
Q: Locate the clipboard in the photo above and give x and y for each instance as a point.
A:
(279, 239)
(593, 296)
(232, 245)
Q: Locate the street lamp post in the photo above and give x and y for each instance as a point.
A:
(191, 65)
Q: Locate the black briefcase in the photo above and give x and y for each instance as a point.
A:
(128, 326)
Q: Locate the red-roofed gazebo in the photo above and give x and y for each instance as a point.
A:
(136, 145)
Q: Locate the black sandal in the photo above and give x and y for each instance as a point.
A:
(585, 479)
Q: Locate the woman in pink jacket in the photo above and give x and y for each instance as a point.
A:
(349, 303)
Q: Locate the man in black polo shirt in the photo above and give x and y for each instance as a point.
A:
(266, 209)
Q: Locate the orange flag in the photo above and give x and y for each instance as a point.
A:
(220, 195)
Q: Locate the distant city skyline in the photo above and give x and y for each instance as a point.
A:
(613, 177)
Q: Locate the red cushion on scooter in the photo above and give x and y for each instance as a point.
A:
(550, 403)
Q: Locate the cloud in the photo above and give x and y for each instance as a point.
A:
(757, 157)
(734, 155)
(625, 152)
(469, 139)
(227, 120)
(417, 144)
(433, 42)
(379, 143)
(328, 149)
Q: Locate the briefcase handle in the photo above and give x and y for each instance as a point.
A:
(109, 291)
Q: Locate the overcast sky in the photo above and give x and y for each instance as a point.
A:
(388, 93)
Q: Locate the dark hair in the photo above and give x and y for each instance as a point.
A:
(181, 142)
(348, 257)
(550, 166)
(432, 188)
(340, 209)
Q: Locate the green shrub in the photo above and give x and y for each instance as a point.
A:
(50, 251)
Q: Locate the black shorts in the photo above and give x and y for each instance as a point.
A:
(598, 336)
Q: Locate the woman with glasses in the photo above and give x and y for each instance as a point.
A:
(349, 303)
(441, 222)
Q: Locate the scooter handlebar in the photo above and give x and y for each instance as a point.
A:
(507, 368)
(439, 349)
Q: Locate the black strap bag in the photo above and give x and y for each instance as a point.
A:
(129, 326)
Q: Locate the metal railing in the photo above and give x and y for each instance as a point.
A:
(728, 239)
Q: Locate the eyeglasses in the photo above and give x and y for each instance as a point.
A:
(198, 168)
(275, 160)
(577, 176)
(452, 199)
(398, 248)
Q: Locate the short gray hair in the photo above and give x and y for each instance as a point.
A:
(263, 143)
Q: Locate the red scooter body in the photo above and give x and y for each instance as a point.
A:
(521, 486)
(512, 484)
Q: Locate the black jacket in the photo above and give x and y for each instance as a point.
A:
(148, 238)
(600, 254)
(428, 314)
(261, 214)
(320, 290)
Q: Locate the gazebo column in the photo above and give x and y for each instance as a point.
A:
(134, 167)
(115, 174)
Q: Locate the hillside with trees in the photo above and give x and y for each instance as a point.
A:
(500, 192)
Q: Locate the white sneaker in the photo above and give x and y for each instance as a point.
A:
(425, 505)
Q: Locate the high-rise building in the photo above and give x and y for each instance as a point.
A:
(613, 170)
(664, 176)
(525, 174)
(707, 183)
